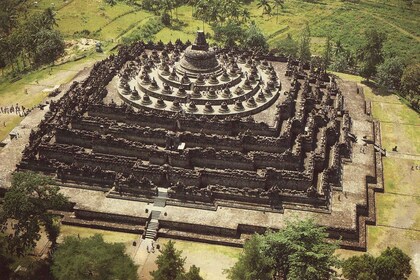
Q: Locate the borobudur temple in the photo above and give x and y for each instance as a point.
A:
(187, 141)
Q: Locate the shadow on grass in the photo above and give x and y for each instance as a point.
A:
(382, 91)
(377, 90)
(177, 24)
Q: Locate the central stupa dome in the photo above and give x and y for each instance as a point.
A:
(199, 59)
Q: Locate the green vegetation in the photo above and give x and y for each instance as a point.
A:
(370, 53)
(27, 202)
(5, 258)
(323, 18)
(392, 264)
(298, 251)
(171, 265)
(252, 263)
(30, 41)
(410, 81)
(287, 46)
(91, 258)
(304, 52)
(145, 32)
(390, 73)
(118, 21)
(35, 269)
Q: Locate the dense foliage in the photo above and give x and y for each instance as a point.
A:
(370, 52)
(29, 41)
(410, 83)
(304, 52)
(145, 32)
(392, 264)
(299, 251)
(253, 263)
(287, 46)
(390, 72)
(254, 38)
(27, 202)
(92, 258)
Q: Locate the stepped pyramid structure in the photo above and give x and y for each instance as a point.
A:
(239, 141)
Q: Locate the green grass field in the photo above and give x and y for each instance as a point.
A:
(109, 236)
(343, 21)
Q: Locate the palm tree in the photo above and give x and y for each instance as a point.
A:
(202, 10)
(265, 5)
(245, 14)
(192, 3)
(167, 6)
(277, 4)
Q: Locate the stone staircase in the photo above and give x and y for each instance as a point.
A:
(160, 200)
(153, 226)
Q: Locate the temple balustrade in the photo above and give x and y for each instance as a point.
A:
(204, 124)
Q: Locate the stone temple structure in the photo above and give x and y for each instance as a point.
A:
(186, 141)
(200, 84)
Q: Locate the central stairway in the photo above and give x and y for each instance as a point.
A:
(153, 225)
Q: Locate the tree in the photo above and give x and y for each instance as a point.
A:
(193, 274)
(192, 3)
(91, 258)
(31, 40)
(46, 19)
(343, 58)
(370, 52)
(9, 14)
(327, 53)
(298, 251)
(393, 264)
(167, 6)
(170, 263)
(252, 264)
(287, 46)
(111, 2)
(359, 268)
(305, 44)
(203, 10)
(265, 5)
(228, 34)
(410, 80)
(49, 46)
(390, 72)
(277, 4)
(28, 202)
(220, 11)
(5, 258)
(254, 38)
